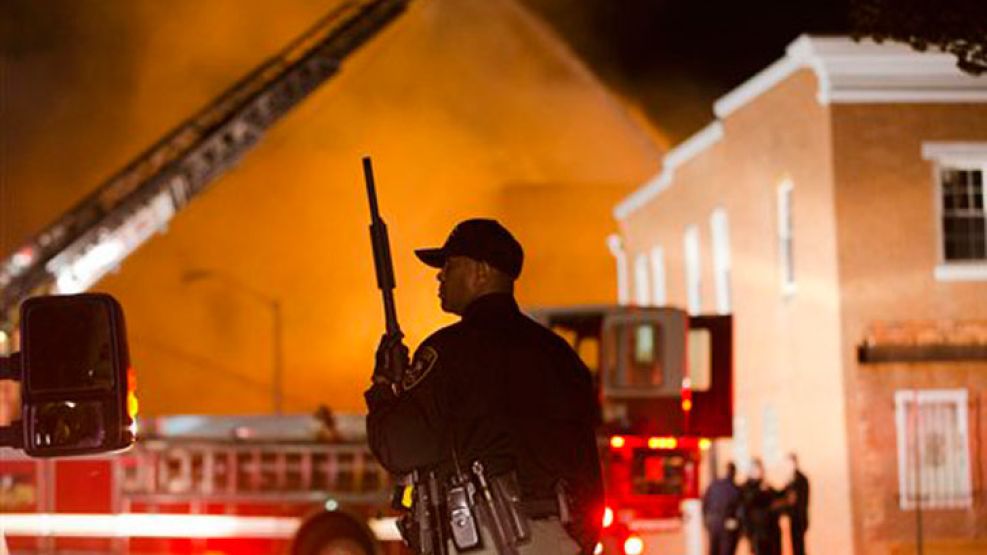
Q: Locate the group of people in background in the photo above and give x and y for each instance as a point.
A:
(753, 510)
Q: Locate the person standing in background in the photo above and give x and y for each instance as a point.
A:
(797, 501)
(761, 508)
(721, 507)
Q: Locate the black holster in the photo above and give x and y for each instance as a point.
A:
(501, 510)
(421, 527)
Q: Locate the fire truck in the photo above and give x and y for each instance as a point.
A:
(207, 484)
(223, 484)
(665, 384)
(307, 485)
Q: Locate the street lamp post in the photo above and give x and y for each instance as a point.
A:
(277, 328)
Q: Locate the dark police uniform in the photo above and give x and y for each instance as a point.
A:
(761, 510)
(498, 388)
(721, 511)
(798, 512)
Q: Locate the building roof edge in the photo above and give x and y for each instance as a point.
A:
(675, 158)
(848, 71)
(864, 72)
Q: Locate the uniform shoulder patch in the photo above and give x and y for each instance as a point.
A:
(422, 364)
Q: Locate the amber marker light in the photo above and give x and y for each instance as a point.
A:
(618, 442)
(133, 405)
(705, 443)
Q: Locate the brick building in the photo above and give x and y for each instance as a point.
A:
(836, 208)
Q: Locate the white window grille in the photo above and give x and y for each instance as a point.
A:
(720, 228)
(659, 293)
(786, 252)
(642, 283)
(933, 449)
(693, 270)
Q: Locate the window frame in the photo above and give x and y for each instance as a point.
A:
(785, 235)
(719, 224)
(692, 255)
(959, 156)
(659, 281)
(616, 246)
(642, 280)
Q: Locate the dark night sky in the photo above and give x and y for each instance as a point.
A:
(674, 58)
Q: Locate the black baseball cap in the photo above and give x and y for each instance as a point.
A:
(479, 239)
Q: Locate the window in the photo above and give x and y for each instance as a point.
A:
(644, 353)
(933, 448)
(786, 253)
(660, 473)
(641, 281)
(659, 295)
(586, 346)
(640, 363)
(719, 226)
(699, 347)
(693, 270)
(963, 220)
(960, 197)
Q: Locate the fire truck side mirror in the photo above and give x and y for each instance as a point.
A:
(77, 385)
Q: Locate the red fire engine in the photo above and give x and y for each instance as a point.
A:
(267, 484)
(665, 384)
(664, 377)
(197, 484)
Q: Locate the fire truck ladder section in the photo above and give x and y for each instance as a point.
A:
(189, 488)
(225, 478)
(203, 473)
(94, 236)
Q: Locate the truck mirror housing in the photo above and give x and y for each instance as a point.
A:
(77, 387)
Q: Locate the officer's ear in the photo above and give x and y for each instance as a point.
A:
(484, 272)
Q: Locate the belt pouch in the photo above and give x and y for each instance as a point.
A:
(462, 523)
(507, 494)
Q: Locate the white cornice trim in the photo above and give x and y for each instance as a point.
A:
(753, 87)
(674, 159)
(910, 96)
(863, 73)
(847, 72)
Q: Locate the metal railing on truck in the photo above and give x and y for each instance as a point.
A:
(179, 471)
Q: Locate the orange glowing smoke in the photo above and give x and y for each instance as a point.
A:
(469, 107)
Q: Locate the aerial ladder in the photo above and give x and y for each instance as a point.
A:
(93, 237)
